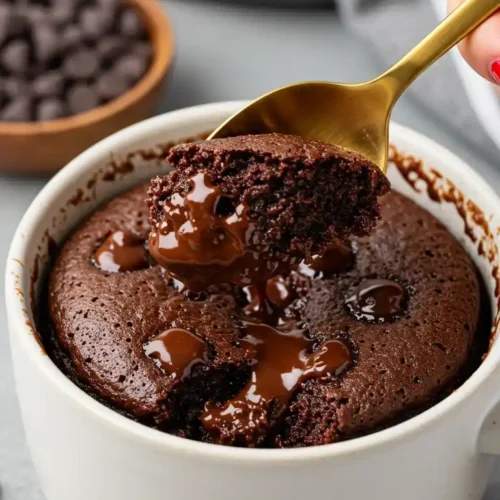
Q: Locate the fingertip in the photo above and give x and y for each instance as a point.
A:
(481, 49)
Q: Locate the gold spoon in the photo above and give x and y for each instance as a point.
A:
(356, 116)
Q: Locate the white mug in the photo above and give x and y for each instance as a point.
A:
(83, 450)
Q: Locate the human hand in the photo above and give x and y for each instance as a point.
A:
(481, 49)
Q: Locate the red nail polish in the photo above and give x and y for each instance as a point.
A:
(495, 70)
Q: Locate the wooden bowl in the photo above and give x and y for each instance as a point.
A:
(45, 147)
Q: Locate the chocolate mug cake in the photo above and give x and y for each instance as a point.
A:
(354, 326)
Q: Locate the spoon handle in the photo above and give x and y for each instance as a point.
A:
(454, 28)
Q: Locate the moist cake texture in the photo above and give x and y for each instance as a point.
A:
(380, 328)
(256, 205)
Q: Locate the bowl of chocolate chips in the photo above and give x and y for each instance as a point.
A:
(75, 71)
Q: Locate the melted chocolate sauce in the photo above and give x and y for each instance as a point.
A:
(121, 251)
(281, 362)
(205, 240)
(267, 301)
(337, 258)
(177, 351)
(377, 300)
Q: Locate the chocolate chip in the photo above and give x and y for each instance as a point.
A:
(48, 84)
(82, 98)
(5, 16)
(37, 14)
(15, 87)
(143, 49)
(111, 85)
(3, 96)
(18, 25)
(95, 22)
(50, 109)
(70, 37)
(18, 110)
(63, 12)
(81, 64)
(131, 67)
(45, 42)
(110, 47)
(130, 24)
(15, 57)
(110, 5)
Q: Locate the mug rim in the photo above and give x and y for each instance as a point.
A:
(161, 440)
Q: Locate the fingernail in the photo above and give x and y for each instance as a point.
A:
(495, 70)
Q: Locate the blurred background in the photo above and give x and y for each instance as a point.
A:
(224, 50)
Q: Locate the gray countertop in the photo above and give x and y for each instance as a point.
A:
(224, 52)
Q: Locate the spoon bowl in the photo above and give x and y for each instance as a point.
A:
(357, 116)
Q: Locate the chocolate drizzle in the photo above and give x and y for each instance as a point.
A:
(177, 351)
(267, 301)
(282, 361)
(120, 252)
(338, 257)
(204, 240)
(377, 300)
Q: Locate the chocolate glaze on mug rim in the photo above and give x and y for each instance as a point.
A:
(18, 280)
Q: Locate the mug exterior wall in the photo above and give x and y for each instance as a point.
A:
(83, 451)
(79, 457)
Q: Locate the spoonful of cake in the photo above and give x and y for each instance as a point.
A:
(355, 117)
(244, 209)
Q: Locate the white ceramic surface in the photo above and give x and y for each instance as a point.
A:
(82, 450)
